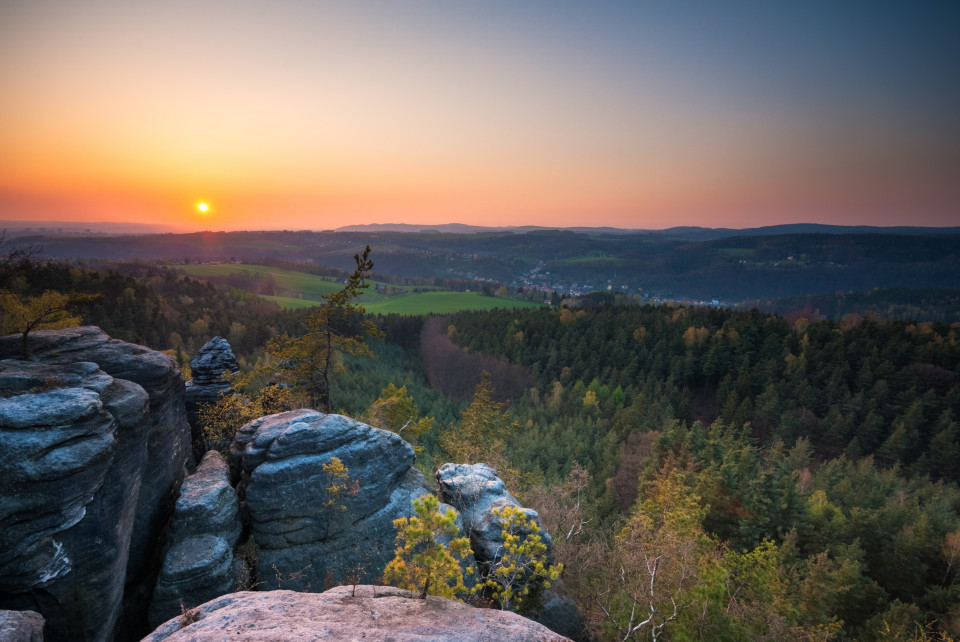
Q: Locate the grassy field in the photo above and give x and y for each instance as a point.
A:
(301, 290)
(292, 303)
(593, 260)
(442, 303)
(420, 303)
(290, 284)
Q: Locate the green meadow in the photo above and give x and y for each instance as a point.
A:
(303, 290)
(442, 303)
(593, 260)
(295, 285)
(420, 303)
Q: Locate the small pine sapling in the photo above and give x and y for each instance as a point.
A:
(423, 562)
(522, 568)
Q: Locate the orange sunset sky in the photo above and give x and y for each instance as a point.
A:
(307, 114)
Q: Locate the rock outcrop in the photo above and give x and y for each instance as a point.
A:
(73, 442)
(21, 626)
(311, 526)
(207, 504)
(168, 441)
(194, 571)
(207, 368)
(342, 613)
(94, 443)
(199, 564)
(207, 382)
(476, 491)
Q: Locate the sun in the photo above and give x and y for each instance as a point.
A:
(202, 208)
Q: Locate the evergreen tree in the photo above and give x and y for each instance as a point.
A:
(335, 328)
(423, 561)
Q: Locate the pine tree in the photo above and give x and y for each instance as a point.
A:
(334, 329)
(423, 562)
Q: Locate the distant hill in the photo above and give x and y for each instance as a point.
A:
(55, 228)
(688, 233)
(691, 233)
(462, 228)
(668, 264)
(900, 304)
(711, 233)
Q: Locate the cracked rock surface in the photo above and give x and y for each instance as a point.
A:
(308, 523)
(199, 563)
(73, 442)
(341, 614)
(93, 446)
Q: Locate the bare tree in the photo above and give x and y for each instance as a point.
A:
(11, 254)
(951, 553)
(651, 581)
(652, 565)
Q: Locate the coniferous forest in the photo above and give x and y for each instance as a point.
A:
(732, 473)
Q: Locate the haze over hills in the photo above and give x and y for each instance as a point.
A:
(679, 232)
(687, 264)
(55, 227)
(20, 228)
(462, 228)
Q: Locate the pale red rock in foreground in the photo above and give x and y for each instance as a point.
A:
(375, 613)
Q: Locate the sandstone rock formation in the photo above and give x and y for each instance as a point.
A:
(73, 443)
(21, 626)
(207, 368)
(195, 570)
(168, 442)
(199, 564)
(372, 612)
(94, 442)
(476, 491)
(93, 446)
(207, 382)
(312, 528)
(207, 503)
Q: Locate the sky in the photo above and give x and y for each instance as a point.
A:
(305, 114)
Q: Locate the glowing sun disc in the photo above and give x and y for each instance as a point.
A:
(203, 207)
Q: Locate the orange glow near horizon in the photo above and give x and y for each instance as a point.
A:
(314, 116)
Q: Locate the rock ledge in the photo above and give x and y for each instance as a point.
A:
(374, 613)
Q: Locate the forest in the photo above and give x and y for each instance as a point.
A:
(828, 449)
(733, 474)
(902, 304)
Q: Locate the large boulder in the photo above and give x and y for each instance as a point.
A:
(207, 504)
(479, 494)
(199, 564)
(347, 613)
(21, 626)
(476, 492)
(73, 447)
(195, 571)
(312, 527)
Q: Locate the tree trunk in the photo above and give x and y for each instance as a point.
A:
(25, 346)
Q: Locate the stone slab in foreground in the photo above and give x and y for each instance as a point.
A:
(335, 615)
